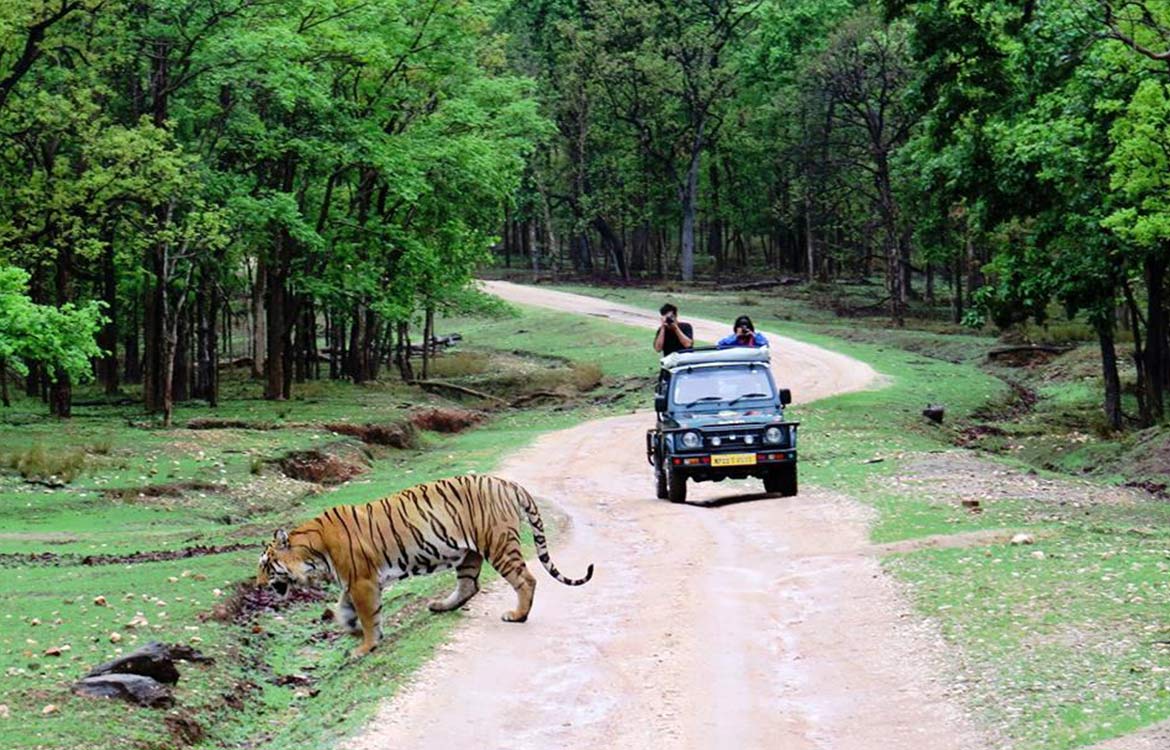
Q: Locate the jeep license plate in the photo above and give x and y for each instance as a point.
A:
(734, 459)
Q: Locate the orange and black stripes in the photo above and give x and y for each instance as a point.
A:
(451, 523)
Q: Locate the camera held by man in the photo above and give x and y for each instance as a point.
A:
(672, 335)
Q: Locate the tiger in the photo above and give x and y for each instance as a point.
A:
(449, 523)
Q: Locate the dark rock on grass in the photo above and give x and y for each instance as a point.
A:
(138, 689)
(154, 660)
(141, 677)
(934, 412)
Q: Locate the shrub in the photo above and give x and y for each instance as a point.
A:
(585, 375)
(460, 364)
(43, 463)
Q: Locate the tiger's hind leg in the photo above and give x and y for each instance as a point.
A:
(466, 583)
(508, 561)
(367, 601)
(346, 615)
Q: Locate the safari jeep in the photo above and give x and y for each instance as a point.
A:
(721, 416)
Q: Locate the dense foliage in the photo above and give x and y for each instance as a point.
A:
(1015, 149)
(344, 162)
(344, 165)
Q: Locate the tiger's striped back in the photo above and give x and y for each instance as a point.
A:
(449, 523)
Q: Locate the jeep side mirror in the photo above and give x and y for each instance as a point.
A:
(660, 403)
(785, 397)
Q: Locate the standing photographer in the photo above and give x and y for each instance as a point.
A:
(672, 335)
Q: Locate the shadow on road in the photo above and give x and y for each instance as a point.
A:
(719, 502)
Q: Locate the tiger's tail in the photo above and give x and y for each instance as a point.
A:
(528, 505)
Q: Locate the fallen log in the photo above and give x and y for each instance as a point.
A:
(766, 284)
(529, 397)
(1003, 351)
(439, 385)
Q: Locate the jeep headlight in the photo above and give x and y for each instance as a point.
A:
(691, 440)
(773, 435)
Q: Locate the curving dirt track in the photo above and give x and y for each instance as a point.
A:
(735, 621)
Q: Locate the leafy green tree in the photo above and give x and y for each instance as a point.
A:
(61, 337)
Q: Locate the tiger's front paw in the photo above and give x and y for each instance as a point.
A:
(361, 651)
(513, 617)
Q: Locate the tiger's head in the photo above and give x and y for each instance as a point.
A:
(283, 564)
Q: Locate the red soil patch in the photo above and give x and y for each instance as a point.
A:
(445, 419)
(400, 435)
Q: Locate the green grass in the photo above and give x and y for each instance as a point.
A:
(1055, 650)
(1064, 641)
(52, 605)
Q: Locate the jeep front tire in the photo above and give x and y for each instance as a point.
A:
(660, 487)
(676, 486)
(781, 481)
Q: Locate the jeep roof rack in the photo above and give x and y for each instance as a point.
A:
(712, 356)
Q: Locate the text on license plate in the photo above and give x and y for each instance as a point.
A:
(734, 459)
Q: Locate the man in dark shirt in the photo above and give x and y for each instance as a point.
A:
(672, 335)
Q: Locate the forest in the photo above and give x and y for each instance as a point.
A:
(326, 175)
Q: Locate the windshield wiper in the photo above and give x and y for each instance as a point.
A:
(747, 395)
(704, 398)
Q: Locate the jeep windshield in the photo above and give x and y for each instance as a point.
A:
(720, 386)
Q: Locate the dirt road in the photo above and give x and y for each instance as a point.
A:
(735, 621)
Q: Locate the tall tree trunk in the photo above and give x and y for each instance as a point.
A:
(1157, 347)
(4, 384)
(259, 340)
(715, 221)
(32, 381)
(507, 236)
(402, 351)
(108, 335)
(428, 341)
(905, 267)
(275, 299)
(357, 352)
(215, 303)
(61, 398)
(974, 268)
(957, 290)
(1105, 338)
(206, 342)
(613, 244)
(550, 239)
(180, 388)
(154, 361)
(132, 367)
(1145, 416)
(810, 243)
(689, 197)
